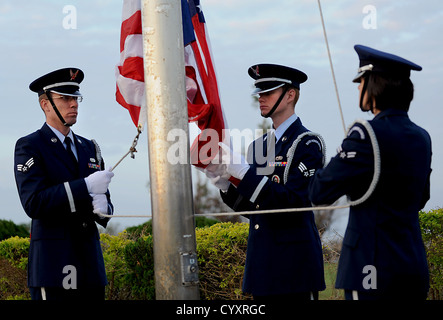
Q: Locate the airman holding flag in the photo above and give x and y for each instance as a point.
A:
(63, 185)
(284, 256)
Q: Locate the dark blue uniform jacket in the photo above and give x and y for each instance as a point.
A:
(383, 231)
(54, 195)
(284, 253)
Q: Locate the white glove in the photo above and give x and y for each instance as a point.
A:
(100, 203)
(218, 176)
(236, 164)
(99, 181)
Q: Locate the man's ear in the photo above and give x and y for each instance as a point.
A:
(45, 105)
(293, 95)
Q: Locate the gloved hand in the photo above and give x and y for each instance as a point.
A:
(100, 203)
(99, 181)
(236, 164)
(218, 176)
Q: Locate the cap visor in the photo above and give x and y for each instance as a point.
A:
(260, 90)
(357, 78)
(72, 94)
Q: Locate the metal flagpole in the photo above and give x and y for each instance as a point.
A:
(175, 258)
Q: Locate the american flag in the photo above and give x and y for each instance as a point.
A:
(130, 91)
(204, 105)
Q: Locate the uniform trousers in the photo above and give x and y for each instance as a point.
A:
(400, 294)
(61, 294)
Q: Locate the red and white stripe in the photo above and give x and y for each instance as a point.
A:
(130, 91)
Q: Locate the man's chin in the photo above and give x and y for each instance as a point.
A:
(71, 122)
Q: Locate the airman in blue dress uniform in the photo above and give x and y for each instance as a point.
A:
(62, 186)
(383, 256)
(284, 254)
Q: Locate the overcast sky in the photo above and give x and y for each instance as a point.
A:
(34, 41)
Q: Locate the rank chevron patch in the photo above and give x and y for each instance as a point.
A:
(305, 171)
(25, 167)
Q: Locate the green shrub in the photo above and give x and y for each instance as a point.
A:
(15, 250)
(140, 230)
(12, 282)
(13, 261)
(146, 228)
(113, 248)
(139, 257)
(431, 224)
(221, 251)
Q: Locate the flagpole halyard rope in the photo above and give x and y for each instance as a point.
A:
(131, 150)
(240, 213)
(332, 67)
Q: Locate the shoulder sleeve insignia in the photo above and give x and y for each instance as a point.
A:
(315, 141)
(358, 130)
(25, 167)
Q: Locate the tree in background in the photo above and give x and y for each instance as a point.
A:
(9, 229)
(208, 200)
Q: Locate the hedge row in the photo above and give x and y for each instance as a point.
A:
(221, 256)
(221, 252)
(13, 261)
(431, 224)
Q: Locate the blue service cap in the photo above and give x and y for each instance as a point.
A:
(372, 60)
(64, 81)
(269, 77)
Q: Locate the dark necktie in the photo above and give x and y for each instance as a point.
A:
(68, 148)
